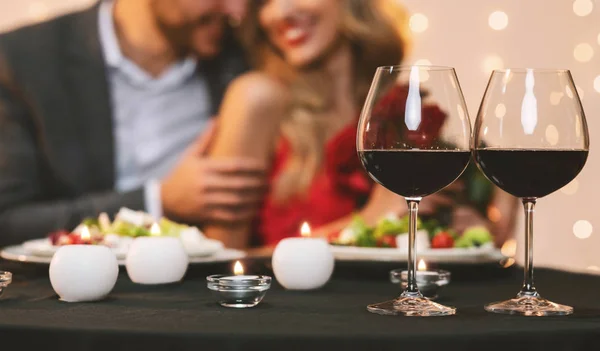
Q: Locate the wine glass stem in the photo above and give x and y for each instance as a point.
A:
(413, 209)
(528, 288)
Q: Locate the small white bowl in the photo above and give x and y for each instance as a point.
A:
(156, 260)
(83, 272)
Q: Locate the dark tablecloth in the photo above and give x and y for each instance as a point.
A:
(185, 317)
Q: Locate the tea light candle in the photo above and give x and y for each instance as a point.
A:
(83, 272)
(428, 281)
(303, 263)
(156, 259)
(238, 271)
(239, 290)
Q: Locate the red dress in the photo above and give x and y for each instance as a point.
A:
(337, 190)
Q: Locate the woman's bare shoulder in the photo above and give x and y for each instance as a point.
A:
(259, 90)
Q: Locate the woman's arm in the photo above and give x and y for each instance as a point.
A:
(248, 126)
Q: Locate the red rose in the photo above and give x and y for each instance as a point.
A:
(387, 118)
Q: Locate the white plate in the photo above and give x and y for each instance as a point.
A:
(19, 253)
(201, 248)
(482, 254)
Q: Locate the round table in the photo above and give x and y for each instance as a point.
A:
(185, 317)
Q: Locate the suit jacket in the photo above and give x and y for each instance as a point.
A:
(56, 128)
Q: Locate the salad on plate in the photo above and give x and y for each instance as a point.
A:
(392, 232)
(119, 233)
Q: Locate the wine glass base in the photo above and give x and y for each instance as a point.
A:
(411, 306)
(529, 306)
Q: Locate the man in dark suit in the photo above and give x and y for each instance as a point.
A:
(110, 107)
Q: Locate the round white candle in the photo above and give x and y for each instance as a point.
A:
(156, 260)
(421, 240)
(302, 263)
(83, 272)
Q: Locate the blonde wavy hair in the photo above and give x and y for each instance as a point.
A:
(376, 31)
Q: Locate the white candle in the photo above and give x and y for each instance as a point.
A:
(421, 241)
(303, 263)
(83, 272)
(156, 259)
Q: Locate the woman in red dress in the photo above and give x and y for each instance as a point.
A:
(297, 112)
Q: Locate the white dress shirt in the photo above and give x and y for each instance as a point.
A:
(154, 118)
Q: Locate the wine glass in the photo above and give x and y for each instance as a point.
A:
(414, 139)
(531, 139)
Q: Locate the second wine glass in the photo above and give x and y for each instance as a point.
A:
(413, 139)
(531, 139)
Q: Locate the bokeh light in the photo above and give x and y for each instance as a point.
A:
(583, 7)
(555, 97)
(582, 229)
(552, 134)
(597, 84)
(583, 52)
(494, 214)
(491, 63)
(571, 188)
(498, 20)
(500, 110)
(418, 23)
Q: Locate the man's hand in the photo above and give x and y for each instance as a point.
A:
(203, 189)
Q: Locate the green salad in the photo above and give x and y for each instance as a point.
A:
(384, 234)
(131, 223)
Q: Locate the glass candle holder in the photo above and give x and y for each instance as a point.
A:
(238, 291)
(5, 280)
(430, 282)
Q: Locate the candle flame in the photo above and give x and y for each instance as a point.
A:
(305, 230)
(422, 266)
(238, 269)
(155, 229)
(85, 233)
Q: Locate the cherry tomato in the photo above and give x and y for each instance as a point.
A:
(442, 240)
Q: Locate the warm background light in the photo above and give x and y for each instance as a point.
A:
(491, 63)
(570, 188)
(583, 7)
(583, 52)
(498, 20)
(418, 23)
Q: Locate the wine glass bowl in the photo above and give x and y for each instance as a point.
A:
(414, 139)
(530, 139)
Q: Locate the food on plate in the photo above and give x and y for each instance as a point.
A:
(129, 224)
(442, 240)
(474, 236)
(391, 232)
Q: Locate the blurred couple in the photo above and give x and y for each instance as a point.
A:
(239, 117)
